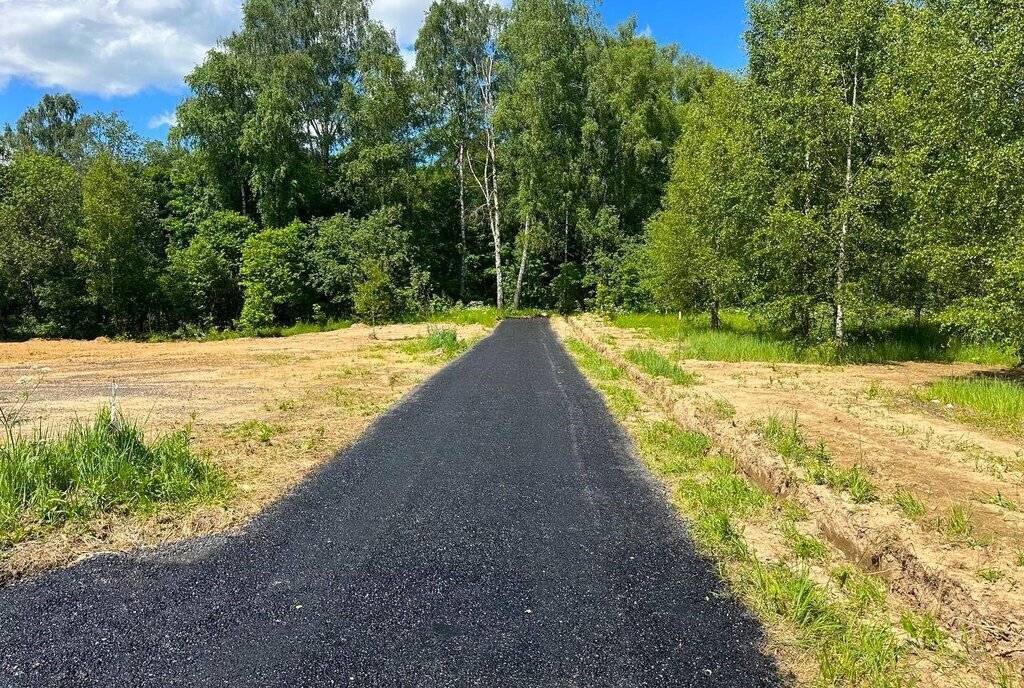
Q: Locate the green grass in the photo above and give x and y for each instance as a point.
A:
(744, 338)
(93, 468)
(487, 316)
(803, 546)
(923, 630)
(215, 334)
(656, 365)
(988, 401)
(593, 363)
(443, 340)
(851, 652)
(911, 506)
(253, 430)
(785, 438)
(717, 501)
(959, 527)
(991, 575)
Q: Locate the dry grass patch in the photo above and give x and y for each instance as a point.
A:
(262, 412)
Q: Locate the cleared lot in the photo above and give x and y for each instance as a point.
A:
(266, 411)
(866, 469)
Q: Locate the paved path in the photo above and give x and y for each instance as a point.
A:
(493, 529)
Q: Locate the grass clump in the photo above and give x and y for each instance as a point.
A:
(911, 506)
(958, 526)
(987, 401)
(443, 340)
(862, 589)
(850, 651)
(656, 365)
(803, 546)
(92, 468)
(991, 575)
(785, 438)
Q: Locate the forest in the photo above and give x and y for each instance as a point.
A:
(865, 173)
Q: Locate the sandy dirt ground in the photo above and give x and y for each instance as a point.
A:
(870, 416)
(865, 415)
(267, 411)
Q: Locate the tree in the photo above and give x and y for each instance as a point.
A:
(813, 66)
(540, 113)
(376, 296)
(40, 210)
(711, 204)
(273, 277)
(199, 285)
(343, 246)
(119, 245)
(451, 48)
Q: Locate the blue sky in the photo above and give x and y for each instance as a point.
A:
(130, 55)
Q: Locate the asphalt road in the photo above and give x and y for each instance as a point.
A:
(493, 529)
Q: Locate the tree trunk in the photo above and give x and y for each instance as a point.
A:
(716, 318)
(463, 248)
(841, 257)
(522, 267)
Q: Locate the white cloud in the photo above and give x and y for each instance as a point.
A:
(121, 47)
(109, 47)
(165, 119)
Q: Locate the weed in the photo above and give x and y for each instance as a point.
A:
(287, 405)
(959, 526)
(1001, 500)
(1020, 559)
(719, 407)
(785, 438)
(923, 630)
(94, 468)
(863, 590)
(656, 365)
(908, 503)
(255, 430)
(990, 574)
(803, 546)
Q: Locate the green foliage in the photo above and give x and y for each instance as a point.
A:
(911, 506)
(95, 468)
(199, 285)
(119, 247)
(656, 365)
(273, 277)
(40, 212)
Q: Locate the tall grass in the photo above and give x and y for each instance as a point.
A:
(744, 338)
(96, 467)
(443, 340)
(989, 400)
(656, 365)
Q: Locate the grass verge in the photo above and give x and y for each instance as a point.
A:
(743, 338)
(989, 402)
(840, 621)
(47, 480)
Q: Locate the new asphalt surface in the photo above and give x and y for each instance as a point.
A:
(493, 529)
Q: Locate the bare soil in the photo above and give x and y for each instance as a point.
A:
(866, 416)
(267, 411)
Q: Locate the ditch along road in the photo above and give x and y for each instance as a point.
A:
(494, 529)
